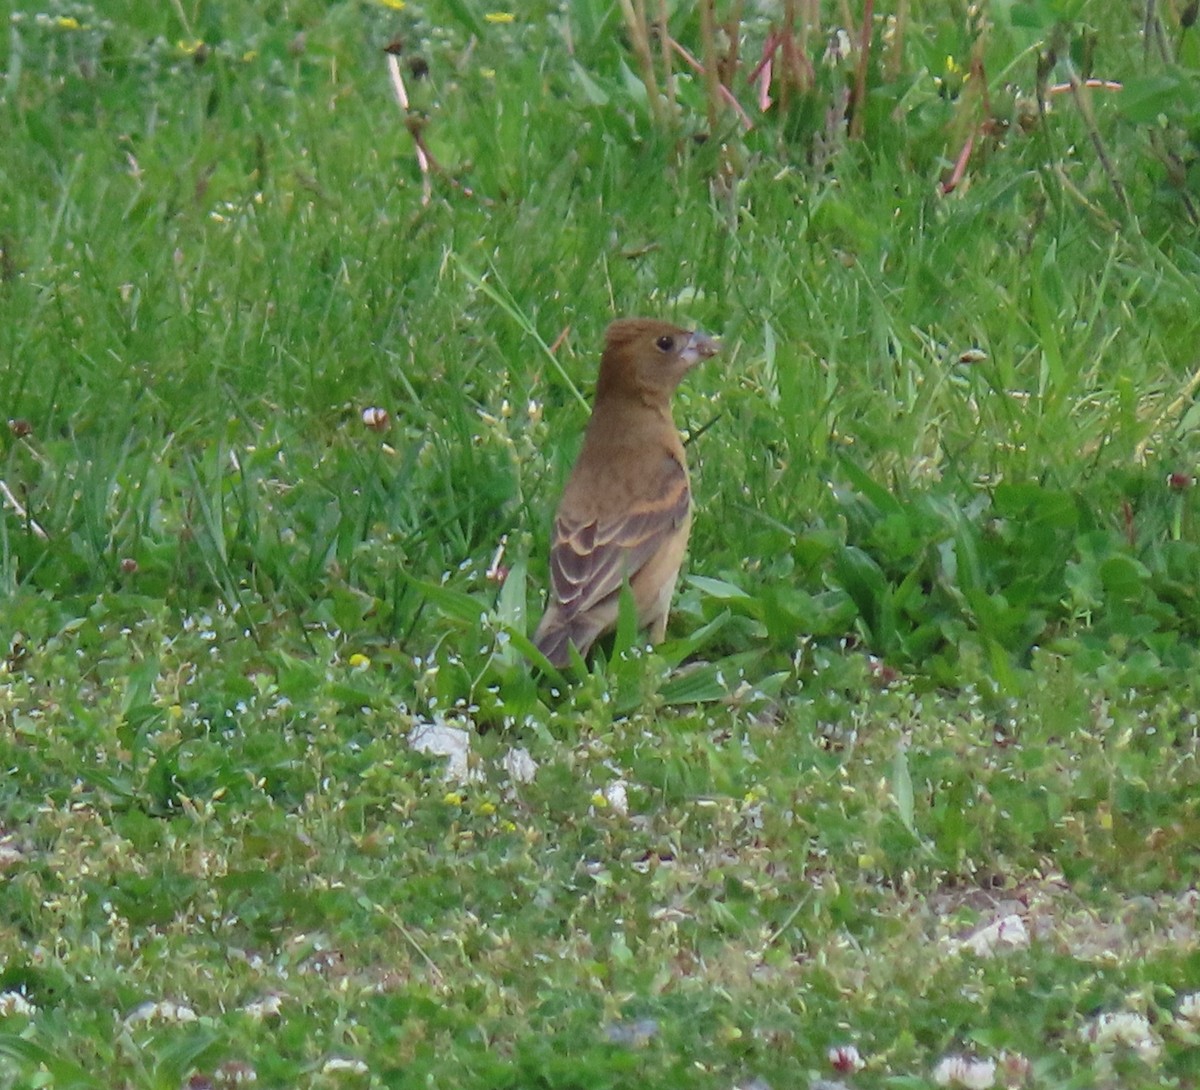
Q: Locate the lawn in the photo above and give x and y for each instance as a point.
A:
(301, 304)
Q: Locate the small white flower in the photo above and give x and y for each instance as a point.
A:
(521, 768)
(1188, 1011)
(845, 1059)
(837, 48)
(617, 797)
(338, 1066)
(1122, 1029)
(236, 1073)
(164, 1011)
(15, 1003)
(266, 1007)
(965, 1072)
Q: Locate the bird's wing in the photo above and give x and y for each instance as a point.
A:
(590, 559)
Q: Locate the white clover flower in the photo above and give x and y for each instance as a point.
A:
(1122, 1029)
(965, 1072)
(1188, 1011)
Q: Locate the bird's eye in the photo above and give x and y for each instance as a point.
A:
(665, 343)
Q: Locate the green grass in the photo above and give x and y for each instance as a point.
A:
(933, 662)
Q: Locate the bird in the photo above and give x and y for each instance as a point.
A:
(626, 511)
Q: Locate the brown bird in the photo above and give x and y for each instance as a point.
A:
(627, 508)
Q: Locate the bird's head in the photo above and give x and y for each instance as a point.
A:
(645, 356)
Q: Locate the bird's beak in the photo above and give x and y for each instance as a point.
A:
(699, 347)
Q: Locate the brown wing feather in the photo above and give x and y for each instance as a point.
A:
(590, 561)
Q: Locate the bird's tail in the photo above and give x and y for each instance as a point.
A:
(555, 635)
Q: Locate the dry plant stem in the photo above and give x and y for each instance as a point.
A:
(712, 80)
(1090, 84)
(561, 339)
(18, 509)
(639, 35)
(425, 160)
(760, 77)
(1169, 415)
(860, 78)
(722, 90)
(1083, 101)
(401, 93)
(664, 44)
(960, 166)
(974, 100)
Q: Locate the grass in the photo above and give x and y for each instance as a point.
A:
(932, 666)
